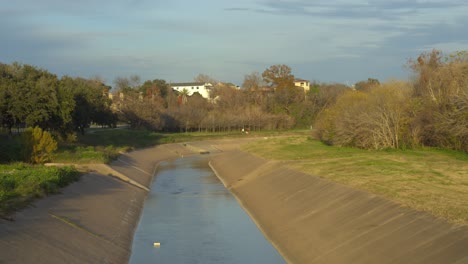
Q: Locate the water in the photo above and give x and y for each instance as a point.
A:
(196, 220)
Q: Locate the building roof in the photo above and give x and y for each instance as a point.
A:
(301, 80)
(191, 84)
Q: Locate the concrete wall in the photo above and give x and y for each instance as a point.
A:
(91, 221)
(313, 220)
(309, 219)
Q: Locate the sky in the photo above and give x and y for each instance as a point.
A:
(334, 41)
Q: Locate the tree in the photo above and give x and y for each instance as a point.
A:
(91, 103)
(121, 84)
(154, 88)
(366, 86)
(127, 85)
(369, 120)
(441, 91)
(143, 113)
(439, 80)
(197, 109)
(135, 81)
(67, 104)
(203, 78)
(6, 91)
(183, 96)
(288, 98)
(279, 76)
(321, 96)
(40, 144)
(252, 81)
(31, 96)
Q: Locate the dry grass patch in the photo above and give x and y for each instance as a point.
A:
(430, 180)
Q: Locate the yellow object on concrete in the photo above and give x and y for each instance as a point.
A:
(156, 244)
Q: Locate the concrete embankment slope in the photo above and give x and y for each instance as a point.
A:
(312, 220)
(92, 220)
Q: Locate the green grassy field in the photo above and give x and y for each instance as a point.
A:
(21, 183)
(104, 145)
(430, 180)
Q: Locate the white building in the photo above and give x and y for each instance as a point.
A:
(194, 87)
(305, 84)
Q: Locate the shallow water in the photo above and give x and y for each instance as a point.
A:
(196, 220)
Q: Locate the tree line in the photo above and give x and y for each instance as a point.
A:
(33, 97)
(266, 102)
(429, 110)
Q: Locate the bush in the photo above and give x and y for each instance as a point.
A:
(442, 90)
(339, 124)
(39, 145)
(369, 120)
(445, 125)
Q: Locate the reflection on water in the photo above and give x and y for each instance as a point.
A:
(196, 220)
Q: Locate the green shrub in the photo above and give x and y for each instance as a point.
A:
(39, 145)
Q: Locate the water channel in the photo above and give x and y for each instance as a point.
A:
(196, 220)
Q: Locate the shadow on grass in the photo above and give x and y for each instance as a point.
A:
(121, 138)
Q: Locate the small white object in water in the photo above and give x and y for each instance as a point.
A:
(156, 244)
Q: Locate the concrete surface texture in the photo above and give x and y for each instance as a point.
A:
(92, 220)
(313, 220)
(308, 219)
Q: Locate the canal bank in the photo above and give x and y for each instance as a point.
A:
(313, 220)
(308, 219)
(90, 221)
(193, 218)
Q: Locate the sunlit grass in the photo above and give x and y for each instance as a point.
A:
(21, 183)
(104, 145)
(431, 180)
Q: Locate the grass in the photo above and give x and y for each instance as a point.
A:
(104, 145)
(11, 148)
(21, 183)
(431, 180)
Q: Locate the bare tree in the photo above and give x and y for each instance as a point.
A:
(442, 90)
(252, 81)
(374, 120)
(121, 83)
(205, 79)
(134, 81)
(143, 112)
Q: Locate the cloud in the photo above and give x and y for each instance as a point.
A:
(382, 9)
(179, 39)
(237, 9)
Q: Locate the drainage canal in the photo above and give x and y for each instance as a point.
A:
(192, 218)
